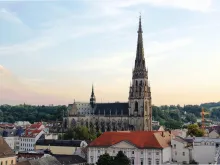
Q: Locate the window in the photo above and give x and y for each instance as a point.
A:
(132, 161)
(142, 161)
(113, 151)
(1, 163)
(6, 162)
(132, 152)
(157, 161)
(174, 146)
(175, 152)
(183, 153)
(149, 153)
(91, 159)
(12, 162)
(157, 153)
(149, 161)
(141, 152)
(98, 151)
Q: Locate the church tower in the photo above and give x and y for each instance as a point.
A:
(140, 109)
(92, 98)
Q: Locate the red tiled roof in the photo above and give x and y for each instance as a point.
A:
(7, 125)
(36, 125)
(31, 133)
(141, 139)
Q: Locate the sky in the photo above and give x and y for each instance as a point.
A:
(51, 52)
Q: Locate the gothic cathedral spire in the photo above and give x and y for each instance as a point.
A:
(140, 95)
(92, 98)
(140, 68)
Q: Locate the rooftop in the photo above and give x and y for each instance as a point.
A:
(69, 159)
(5, 150)
(74, 143)
(140, 139)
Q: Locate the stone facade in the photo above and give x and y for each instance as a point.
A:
(136, 114)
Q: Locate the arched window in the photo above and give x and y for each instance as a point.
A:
(136, 106)
(136, 83)
(139, 91)
(141, 83)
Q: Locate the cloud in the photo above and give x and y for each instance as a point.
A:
(9, 16)
(120, 61)
(155, 48)
(113, 7)
(56, 32)
(14, 91)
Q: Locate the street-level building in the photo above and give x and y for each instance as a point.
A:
(63, 147)
(141, 147)
(7, 156)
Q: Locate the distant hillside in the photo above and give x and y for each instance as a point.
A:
(211, 105)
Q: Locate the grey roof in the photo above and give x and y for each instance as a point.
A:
(111, 108)
(5, 150)
(69, 159)
(74, 143)
(49, 160)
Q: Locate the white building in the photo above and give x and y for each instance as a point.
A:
(204, 150)
(181, 151)
(32, 134)
(141, 147)
(28, 140)
(199, 149)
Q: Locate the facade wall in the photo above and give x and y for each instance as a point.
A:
(58, 149)
(180, 153)
(204, 153)
(8, 160)
(139, 156)
(166, 155)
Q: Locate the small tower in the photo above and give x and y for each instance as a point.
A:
(92, 98)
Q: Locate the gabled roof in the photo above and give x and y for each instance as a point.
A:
(31, 133)
(35, 125)
(5, 150)
(140, 139)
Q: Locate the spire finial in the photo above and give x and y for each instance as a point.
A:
(140, 27)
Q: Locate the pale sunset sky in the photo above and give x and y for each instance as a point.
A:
(51, 52)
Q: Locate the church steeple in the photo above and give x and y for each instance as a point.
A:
(139, 94)
(139, 68)
(92, 98)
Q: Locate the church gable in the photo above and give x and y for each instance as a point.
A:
(123, 144)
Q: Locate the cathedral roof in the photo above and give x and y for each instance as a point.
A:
(111, 108)
(140, 139)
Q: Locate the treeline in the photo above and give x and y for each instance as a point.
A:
(169, 116)
(31, 113)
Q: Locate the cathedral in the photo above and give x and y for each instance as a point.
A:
(136, 114)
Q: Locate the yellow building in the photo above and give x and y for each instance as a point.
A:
(63, 147)
(7, 156)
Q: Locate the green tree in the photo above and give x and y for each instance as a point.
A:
(105, 159)
(194, 130)
(121, 159)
